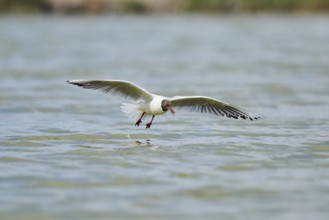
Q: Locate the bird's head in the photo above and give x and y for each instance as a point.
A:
(166, 105)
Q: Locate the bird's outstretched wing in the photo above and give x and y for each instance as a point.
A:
(209, 105)
(116, 87)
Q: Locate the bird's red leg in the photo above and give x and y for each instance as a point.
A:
(148, 125)
(139, 120)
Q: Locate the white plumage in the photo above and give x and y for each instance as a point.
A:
(145, 103)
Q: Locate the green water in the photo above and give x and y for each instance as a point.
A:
(69, 153)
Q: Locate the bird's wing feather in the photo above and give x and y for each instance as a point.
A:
(209, 105)
(116, 87)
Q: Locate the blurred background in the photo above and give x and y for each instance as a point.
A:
(144, 6)
(69, 153)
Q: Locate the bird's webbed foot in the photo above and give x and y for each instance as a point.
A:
(148, 125)
(138, 122)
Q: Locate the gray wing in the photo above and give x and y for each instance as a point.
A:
(116, 87)
(209, 105)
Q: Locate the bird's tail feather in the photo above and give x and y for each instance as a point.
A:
(131, 110)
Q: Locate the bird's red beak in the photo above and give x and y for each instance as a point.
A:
(172, 111)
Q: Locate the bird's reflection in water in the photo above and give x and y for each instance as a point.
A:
(146, 143)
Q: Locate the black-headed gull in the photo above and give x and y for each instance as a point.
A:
(146, 103)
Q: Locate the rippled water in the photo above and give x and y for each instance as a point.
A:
(69, 153)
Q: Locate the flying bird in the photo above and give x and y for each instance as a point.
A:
(148, 104)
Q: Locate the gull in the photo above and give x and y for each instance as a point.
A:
(145, 103)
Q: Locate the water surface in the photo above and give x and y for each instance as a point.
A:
(69, 153)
